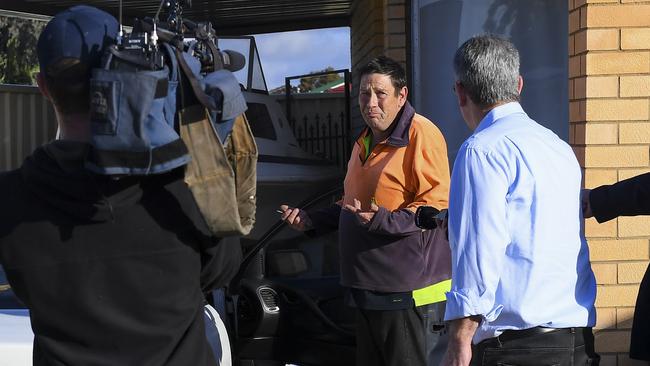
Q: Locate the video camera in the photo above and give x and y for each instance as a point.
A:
(140, 49)
(157, 70)
(165, 97)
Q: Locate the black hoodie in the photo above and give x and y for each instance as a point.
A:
(112, 270)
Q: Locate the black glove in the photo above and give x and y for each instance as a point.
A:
(425, 217)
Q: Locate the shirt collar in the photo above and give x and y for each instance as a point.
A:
(497, 113)
(400, 135)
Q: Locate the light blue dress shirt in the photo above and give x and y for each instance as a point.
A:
(519, 257)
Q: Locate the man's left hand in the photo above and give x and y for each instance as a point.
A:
(364, 217)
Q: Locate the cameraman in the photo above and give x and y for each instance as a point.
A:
(113, 269)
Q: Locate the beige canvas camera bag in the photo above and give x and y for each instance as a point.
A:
(222, 177)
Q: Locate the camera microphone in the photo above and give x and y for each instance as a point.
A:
(233, 60)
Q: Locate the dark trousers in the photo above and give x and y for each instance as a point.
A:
(409, 337)
(538, 347)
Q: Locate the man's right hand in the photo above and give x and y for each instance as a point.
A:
(585, 204)
(296, 218)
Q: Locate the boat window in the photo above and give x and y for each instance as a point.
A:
(252, 75)
(258, 82)
(260, 121)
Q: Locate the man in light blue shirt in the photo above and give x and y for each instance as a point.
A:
(522, 287)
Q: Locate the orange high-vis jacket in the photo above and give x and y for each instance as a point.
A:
(409, 169)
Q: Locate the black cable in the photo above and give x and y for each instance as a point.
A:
(155, 18)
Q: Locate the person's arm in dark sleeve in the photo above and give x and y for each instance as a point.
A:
(629, 197)
(220, 260)
(395, 223)
(220, 257)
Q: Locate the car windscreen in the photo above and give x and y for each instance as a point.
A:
(7, 298)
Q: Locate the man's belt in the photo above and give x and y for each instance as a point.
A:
(511, 335)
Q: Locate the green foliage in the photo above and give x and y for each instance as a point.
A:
(18, 59)
(312, 82)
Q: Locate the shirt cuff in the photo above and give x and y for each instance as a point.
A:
(399, 223)
(378, 219)
(462, 303)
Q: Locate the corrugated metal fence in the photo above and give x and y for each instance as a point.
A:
(26, 121)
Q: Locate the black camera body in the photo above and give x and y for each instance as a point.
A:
(139, 49)
(136, 52)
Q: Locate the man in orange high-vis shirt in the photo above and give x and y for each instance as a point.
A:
(397, 273)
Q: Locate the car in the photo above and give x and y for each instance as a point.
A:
(286, 305)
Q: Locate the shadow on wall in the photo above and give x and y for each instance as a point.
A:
(613, 340)
(534, 26)
(439, 31)
(510, 16)
(539, 29)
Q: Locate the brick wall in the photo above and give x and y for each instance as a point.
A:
(377, 27)
(609, 109)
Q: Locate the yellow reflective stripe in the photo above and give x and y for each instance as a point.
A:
(432, 294)
(366, 144)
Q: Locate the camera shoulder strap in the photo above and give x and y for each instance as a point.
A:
(203, 98)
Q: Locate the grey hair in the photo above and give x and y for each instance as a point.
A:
(487, 66)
